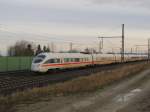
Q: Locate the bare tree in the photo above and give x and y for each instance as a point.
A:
(29, 51)
(48, 49)
(87, 50)
(11, 51)
(44, 49)
(39, 50)
(21, 48)
(90, 50)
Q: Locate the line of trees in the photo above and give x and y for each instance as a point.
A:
(39, 49)
(25, 48)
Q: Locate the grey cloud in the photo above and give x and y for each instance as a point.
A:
(88, 18)
(72, 16)
(142, 3)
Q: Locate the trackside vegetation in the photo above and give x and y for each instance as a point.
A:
(76, 86)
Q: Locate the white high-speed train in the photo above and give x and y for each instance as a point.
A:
(48, 61)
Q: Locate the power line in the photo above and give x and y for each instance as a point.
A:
(122, 37)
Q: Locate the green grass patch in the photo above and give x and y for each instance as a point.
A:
(15, 63)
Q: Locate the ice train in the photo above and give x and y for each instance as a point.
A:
(49, 61)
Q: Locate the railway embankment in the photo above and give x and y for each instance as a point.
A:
(79, 85)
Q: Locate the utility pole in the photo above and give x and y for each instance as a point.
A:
(113, 51)
(71, 44)
(122, 37)
(100, 50)
(148, 49)
(122, 52)
(52, 47)
(100, 44)
(138, 46)
(136, 49)
(131, 51)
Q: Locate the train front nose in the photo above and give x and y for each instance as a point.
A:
(35, 67)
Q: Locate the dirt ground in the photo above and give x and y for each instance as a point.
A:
(141, 102)
(129, 95)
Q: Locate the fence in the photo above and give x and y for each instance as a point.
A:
(15, 63)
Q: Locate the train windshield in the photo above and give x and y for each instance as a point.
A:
(41, 56)
(38, 60)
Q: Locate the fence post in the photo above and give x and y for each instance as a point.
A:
(19, 62)
(30, 62)
(6, 63)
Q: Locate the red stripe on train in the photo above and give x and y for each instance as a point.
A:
(74, 63)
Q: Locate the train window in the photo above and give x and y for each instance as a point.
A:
(53, 61)
(50, 61)
(38, 60)
(72, 60)
(41, 56)
(87, 59)
(57, 60)
(83, 59)
(66, 59)
(77, 59)
(61, 60)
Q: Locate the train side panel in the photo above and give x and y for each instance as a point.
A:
(48, 61)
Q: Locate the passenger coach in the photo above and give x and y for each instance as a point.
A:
(48, 61)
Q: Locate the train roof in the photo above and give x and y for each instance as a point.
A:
(73, 55)
(65, 55)
(80, 55)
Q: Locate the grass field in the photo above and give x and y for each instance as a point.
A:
(15, 63)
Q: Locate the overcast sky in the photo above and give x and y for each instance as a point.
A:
(45, 21)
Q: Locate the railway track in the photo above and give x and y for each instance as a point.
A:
(17, 81)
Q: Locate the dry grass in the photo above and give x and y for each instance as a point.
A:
(81, 84)
(90, 83)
